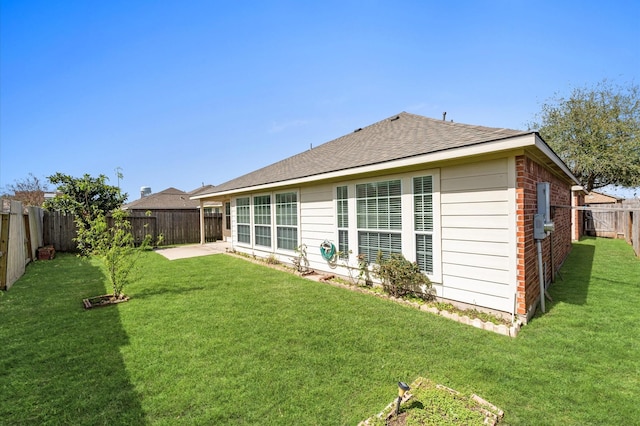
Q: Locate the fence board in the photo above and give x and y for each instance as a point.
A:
(618, 221)
(176, 227)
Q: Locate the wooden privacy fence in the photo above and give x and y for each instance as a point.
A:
(175, 226)
(20, 237)
(615, 221)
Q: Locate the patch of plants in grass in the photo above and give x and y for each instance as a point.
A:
(430, 404)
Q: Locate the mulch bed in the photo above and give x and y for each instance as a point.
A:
(104, 300)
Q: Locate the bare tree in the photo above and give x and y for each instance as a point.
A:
(30, 191)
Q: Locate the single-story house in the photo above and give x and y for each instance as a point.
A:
(176, 216)
(457, 199)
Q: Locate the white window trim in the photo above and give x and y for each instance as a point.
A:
(234, 218)
(275, 225)
(408, 217)
(254, 224)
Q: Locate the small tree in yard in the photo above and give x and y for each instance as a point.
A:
(114, 245)
(401, 277)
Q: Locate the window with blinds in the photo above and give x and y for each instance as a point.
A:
(342, 208)
(262, 220)
(243, 220)
(379, 218)
(287, 220)
(423, 213)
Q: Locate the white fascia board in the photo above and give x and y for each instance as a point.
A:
(542, 146)
(516, 142)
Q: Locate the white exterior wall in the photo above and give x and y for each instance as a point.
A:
(478, 234)
(318, 222)
(474, 230)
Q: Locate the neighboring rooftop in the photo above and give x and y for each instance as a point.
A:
(170, 198)
(401, 136)
(599, 198)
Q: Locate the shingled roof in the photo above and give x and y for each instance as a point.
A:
(401, 136)
(170, 198)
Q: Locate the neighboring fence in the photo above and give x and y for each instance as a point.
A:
(175, 226)
(615, 221)
(20, 238)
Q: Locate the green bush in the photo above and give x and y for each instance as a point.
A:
(401, 278)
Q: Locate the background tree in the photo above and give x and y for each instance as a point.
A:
(87, 198)
(596, 132)
(30, 191)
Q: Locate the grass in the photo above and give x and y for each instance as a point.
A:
(219, 340)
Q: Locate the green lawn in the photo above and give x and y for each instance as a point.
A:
(220, 340)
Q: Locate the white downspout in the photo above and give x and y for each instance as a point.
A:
(202, 239)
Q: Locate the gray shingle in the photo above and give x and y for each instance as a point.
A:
(401, 136)
(170, 198)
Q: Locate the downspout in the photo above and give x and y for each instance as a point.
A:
(202, 239)
(540, 275)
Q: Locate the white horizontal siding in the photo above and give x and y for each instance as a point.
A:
(475, 247)
(476, 233)
(485, 208)
(484, 222)
(489, 275)
(488, 261)
(473, 197)
(475, 286)
(317, 222)
(480, 299)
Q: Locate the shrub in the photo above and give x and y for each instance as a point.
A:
(401, 278)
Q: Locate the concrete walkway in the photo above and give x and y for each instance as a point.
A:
(195, 250)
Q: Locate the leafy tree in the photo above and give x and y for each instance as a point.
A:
(30, 191)
(87, 198)
(596, 132)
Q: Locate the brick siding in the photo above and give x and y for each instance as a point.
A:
(528, 174)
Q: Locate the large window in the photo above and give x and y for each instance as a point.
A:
(342, 200)
(379, 218)
(287, 220)
(262, 219)
(227, 215)
(243, 220)
(423, 213)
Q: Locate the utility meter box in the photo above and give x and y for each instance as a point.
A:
(542, 224)
(544, 200)
(538, 227)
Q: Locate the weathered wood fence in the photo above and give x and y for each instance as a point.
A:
(175, 226)
(616, 221)
(21, 235)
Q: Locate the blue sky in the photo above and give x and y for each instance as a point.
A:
(181, 93)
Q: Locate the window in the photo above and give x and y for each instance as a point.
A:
(243, 219)
(262, 219)
(227, 216)
(342, 200)
(287, 220)
(379, 218)
(423, 213)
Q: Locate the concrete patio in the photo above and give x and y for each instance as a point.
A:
(194, 250)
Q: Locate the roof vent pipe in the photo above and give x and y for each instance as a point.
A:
(444, 115)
